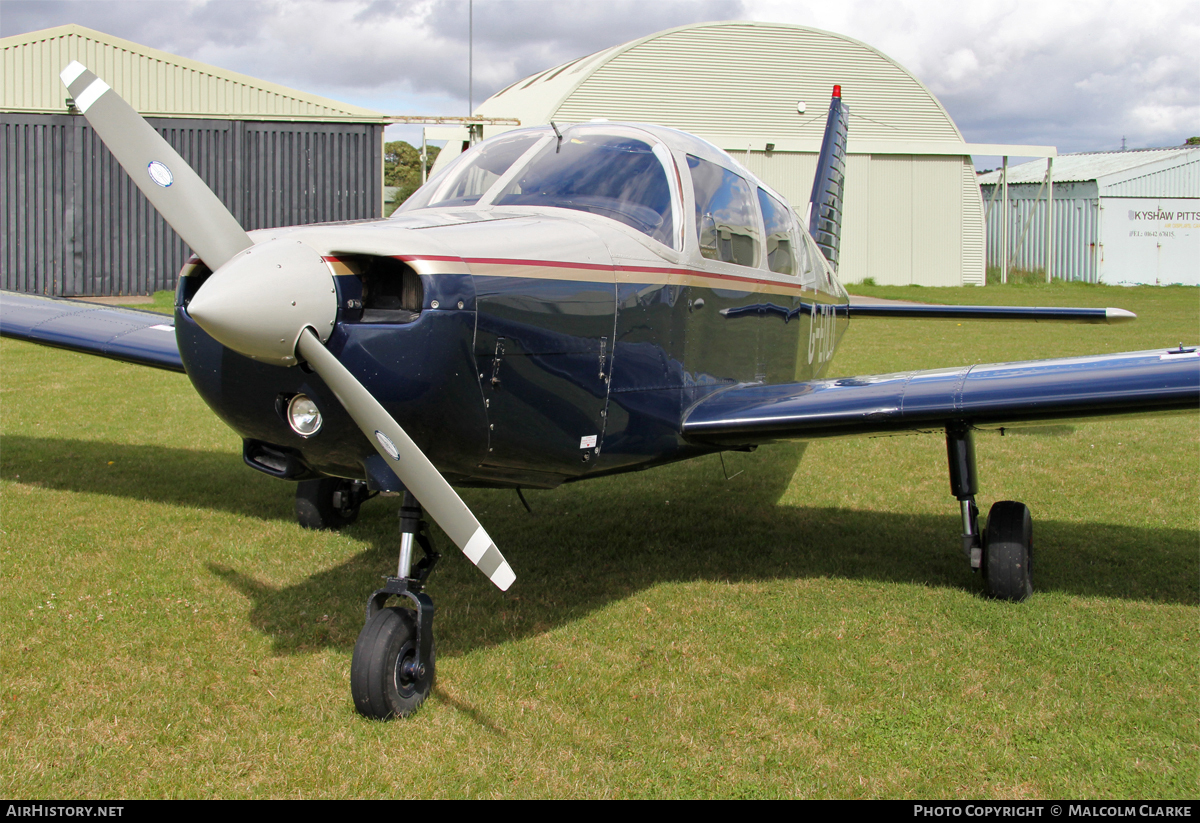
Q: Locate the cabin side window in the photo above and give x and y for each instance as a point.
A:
(783, 236)
(816, 272)
(726, 220)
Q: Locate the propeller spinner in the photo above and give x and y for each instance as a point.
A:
(274, 302)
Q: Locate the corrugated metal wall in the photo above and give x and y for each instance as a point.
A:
(1181, 181)
(974, 236)
(1076, 226)
(73, 223)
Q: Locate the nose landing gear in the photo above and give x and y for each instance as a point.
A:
(392, 670)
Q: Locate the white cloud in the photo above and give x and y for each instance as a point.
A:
(1076, 75)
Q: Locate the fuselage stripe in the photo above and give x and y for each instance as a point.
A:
(661, 271)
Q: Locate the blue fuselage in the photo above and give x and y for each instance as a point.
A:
(527, 380)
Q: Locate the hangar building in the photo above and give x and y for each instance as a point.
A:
(913, 212)
(1120, 217)
(73, 221)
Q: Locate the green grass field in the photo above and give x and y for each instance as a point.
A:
(807, 628)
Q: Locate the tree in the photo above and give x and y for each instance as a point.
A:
(402, 167)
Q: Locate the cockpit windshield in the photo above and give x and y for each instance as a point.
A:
(466, 179)
(601, 172)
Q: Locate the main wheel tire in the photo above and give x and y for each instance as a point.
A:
(1008, 552)
(383, 655)
(316, 507)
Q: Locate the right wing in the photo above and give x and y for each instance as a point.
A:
(141, 337)
(983, 396)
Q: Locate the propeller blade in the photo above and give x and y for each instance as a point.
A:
(287, 279)
(411, 465)
(183, 199)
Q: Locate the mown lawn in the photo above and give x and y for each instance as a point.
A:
(807, 628)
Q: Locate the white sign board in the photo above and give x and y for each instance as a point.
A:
(1153, 240)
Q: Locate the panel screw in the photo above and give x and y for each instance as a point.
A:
(433, 304)
(460, 304)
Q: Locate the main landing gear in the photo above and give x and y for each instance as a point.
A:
(1004, 551)
(392, 670)
(330, 503)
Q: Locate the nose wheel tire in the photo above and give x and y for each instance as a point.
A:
(1008, 552)
(328, 504)
(386, 678)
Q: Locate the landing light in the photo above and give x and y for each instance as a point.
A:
(303, 416)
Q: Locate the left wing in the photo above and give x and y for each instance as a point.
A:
(985, 396)
(141, 337)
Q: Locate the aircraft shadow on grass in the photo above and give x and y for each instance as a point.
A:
(593, 543)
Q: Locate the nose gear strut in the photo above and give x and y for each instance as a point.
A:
(392, 670)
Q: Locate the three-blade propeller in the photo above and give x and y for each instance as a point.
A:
(275, 302)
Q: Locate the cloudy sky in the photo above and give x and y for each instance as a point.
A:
(1078, 75)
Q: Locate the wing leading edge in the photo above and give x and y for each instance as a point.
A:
(141, 337)
(989, 395)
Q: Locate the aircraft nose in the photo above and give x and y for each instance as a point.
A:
(260, 301)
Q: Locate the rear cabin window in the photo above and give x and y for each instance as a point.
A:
(726, 220)
(473, 173)
(813, 273)
(783, 236)
(610, 175)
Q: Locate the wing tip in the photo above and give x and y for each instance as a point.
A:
(1112, 315)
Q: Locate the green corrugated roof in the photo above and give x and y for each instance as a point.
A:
(156, 83)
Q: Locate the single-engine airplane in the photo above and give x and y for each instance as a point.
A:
(559, 303)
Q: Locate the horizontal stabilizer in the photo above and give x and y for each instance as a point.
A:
(986, 396)
(141, 337)
(1059, 314)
